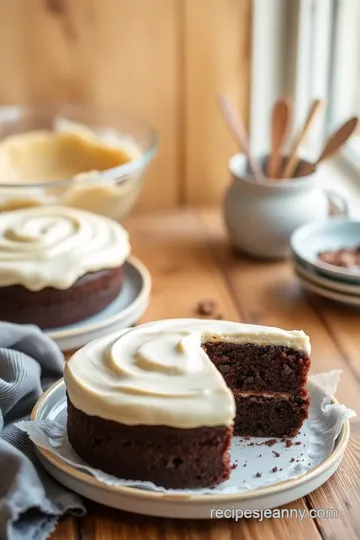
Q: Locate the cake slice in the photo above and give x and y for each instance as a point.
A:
(160, 402)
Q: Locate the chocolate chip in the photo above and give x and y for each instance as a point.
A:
(206, 307)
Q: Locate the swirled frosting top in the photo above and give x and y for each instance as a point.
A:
(158, 373)
(53, 246)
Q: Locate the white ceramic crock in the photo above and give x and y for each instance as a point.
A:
(260, 217)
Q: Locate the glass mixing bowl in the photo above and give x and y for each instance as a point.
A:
(111, 191)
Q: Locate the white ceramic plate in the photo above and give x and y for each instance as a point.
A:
(342, 298)
(322, 281)
(335, 233)
(52, 407)
(123, 312)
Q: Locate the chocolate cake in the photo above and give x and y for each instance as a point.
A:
(160, 402)
(167, 456)
(269, 385)
(58, 265)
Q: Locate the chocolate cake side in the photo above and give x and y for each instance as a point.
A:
(250, 366)
(169, 457)
(268, 383)
(50, 307)
(270, 416)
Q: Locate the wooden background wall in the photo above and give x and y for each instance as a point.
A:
(164, 59)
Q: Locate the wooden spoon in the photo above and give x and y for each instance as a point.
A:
(332, 145)
(294, 157)
(237, 129)
(280, 123)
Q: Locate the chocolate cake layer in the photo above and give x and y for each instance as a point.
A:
(50, 307)
(169, 457)
(275, 416)
(260, 367)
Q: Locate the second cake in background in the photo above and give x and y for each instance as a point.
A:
(58, 265)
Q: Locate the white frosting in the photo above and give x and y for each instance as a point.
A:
(158, 373)
(53, 246)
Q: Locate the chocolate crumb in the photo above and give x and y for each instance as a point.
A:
(233, 466)
(206, 307)
(258, 475)
(276, 454)
(292, 460)
(297, 443)
(274, 469)
(244, 465)
(288, 443)
(270, 442)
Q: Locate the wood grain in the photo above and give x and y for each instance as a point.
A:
(68, 527)
(107, 524)
(114, 53)
(218, 53)
(342, 493)
(165, 60)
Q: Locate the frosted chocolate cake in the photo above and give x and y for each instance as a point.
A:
(58, 265)
(160, 402)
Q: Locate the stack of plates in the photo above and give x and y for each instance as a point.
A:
(335, 283)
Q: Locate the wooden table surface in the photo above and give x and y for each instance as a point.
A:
(190, 260)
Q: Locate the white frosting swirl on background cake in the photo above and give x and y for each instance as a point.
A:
(53, 246)
(158, 373)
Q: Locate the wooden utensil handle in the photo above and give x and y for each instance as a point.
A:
(237, 128)
(294, 158)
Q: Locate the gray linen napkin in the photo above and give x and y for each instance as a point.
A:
(30, 500)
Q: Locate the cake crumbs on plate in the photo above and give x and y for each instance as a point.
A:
(270, 442)
(274, 469)
(292, 460)
(297, 443)
(276, 454)
(288, 443)
(258, 475)
(233, 466)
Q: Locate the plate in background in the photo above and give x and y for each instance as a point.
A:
(335, 233)
(342, 298)
(325, 282)
(123, 312)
